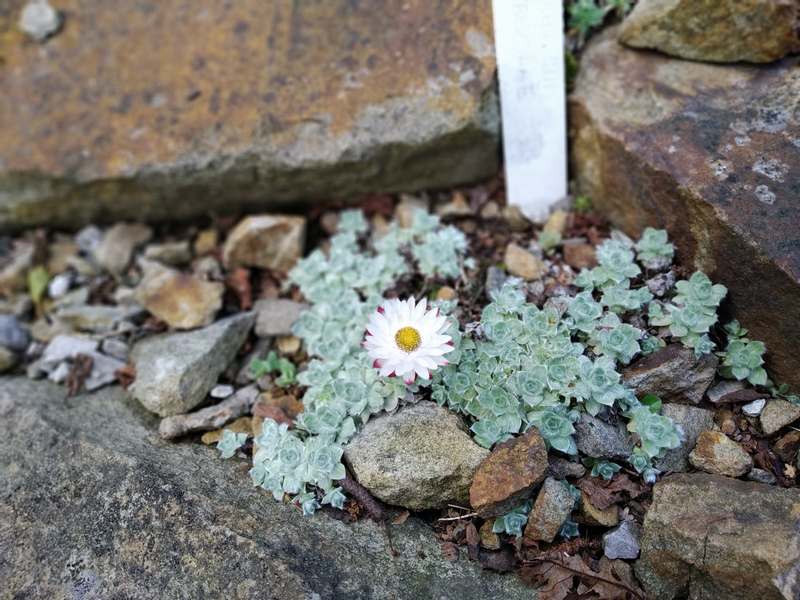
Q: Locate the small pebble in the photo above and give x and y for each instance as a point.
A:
(754, 408)
(762, 476)
(39, 20)
(221, 391)
(59, 285)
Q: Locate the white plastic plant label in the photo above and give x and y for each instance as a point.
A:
(529, 46)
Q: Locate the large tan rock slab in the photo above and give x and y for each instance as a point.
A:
(710, 152)
(154, 110)
(755, 31)
(708, 536)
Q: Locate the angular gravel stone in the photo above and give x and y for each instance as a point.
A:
(598, 439)
(622, 541)
(553, 506)
(13, 335)
(509, 475)
(175, 371)
(717, 454)
(673, 374)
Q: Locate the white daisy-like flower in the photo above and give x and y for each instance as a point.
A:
(405, 339)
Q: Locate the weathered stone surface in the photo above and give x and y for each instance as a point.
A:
(622, 541)
(693, 421)
(244, 105)
(707, 151)
(276, 316)
(598, 439)
(756, 31)
(553, 506)
(266, 241)
(522, 263)
(419, 457)
(580, 256)
(673, 373)
(175, 371)
(509, 475)
(94, 505)
(716, 453)
(777, 414)
(708, 536)
(180, 300)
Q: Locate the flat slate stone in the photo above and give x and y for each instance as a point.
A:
(94, 505)
(244, 104)
(710, 152)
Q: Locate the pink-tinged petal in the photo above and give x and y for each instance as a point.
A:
(409, 381)
(381, 310)
(376, 364)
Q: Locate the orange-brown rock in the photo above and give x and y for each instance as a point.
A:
(153, 110)
(711, 153)
(509, 475)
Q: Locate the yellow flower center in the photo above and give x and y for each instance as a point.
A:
(408, 339)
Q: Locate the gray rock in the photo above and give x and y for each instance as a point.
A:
(13, 335)
(754, 408)
(63, 347)
(104, 371)
(777, 414)
(725, 387)
(553, 505)
(709, 537)
(693, 421)
(128, 515)
(599, 439)
(89, 238)
(762, 476)
(39, 20)
(419, 457)
(673, 374)
(115, 348)
(114, 253)
(175, 371)
(276, 316)
(221, 391)
(622, 541)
